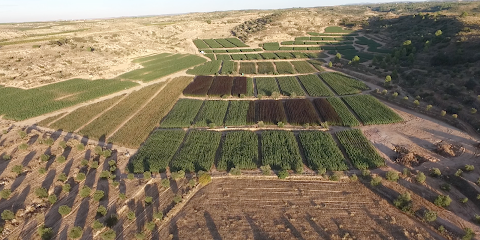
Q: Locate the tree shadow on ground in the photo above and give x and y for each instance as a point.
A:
(18, 181)
(33, 139)
(258, 233)
(82, 213)
(293, 229)
(212, 228)
(139, 210)
(67, 167)
(47, 182)
(321, 233)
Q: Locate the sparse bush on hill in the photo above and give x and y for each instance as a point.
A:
(8, 215)
(421, 177)
(443, 201)
(392, 176)
(45, 233)
(75, 233)
(404, 202)
(41, 192)
(64, 210)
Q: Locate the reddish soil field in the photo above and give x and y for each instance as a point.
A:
(270, 112)
(221, 85)
(301, 111)
(275, 209)
(326, 111)
(199, 86)
(239, 86)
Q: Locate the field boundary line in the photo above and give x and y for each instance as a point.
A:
(139, 109)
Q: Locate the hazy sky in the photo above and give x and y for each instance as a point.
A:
(47, 10)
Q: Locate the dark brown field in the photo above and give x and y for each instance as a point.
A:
(301, 111)
(221, 86)
(327, 112)
(199, 86)
(270, 112)
(239, 86)
(251, 113)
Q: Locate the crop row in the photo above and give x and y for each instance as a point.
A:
(371, 111)
(342, 84)
(240, 149)
(268, 56)
(271, 68)
(19, 104)
(208, 68)
(219, 43)
(219, 86)
(360, 151)
(315, 86)
(243, 50)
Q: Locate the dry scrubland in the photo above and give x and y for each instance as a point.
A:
(162, 147)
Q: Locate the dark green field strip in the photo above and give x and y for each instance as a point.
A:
(248, 68)
(104, 125)
(289, 86)
(342, 84)
(284, 68)
(266, 68)
(266, 86)
(371, 111)
(315, 86)
(239, 150)
(199, 43)
(212, 112)
(321, 151)
(19, 104)
(197, 152)
(157, 152)
(237, 113)
(348, 119)
(182, 114)
(360, 151)
(303, 67)
(280, 150)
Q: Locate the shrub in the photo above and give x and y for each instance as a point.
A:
(158, 215)
(105, 174)
(283, 174)
(85, 192)
(235, 171)
(204, 179)
(45, 233)
(147, 175)
(281, 124)
(75, 232)
(392, 176)
(52, 199)
(435, 172)
(430, 216)
(80, 147)
(66, 187)
(469, 168)
(354, 178)
(62, 177)
(131, 215)
(94, 165)
(266, 170)
(404, 202)
(334, 177)
(45, 157)
(102, 210)
(365, 173)
(64, 210)
(261, 124)
(23, 146)
(421, 177)
(458, 173)
(48, 141)
(41, 192)
(476, 218)
(122, 196)
(8, 215)
(62, 144)
(469, 234)
(150, 226)
(443, 201)
(192, 183)
(139, 236)
(115, 184)
(376, 181)
(109, 235)
(178, 175)
(18, 169)
(406, 172)
(441, 229)
(165, 183)
(177, 199)
(98, 195)
(107, 153)
(60, 159)
(42, 170)
(130, 176)
(97, 224)
(84, 163)
(22, 134)
(112, 163)
(5, 193)
(81, 177)
(6, 157)
(148, 200)
(464, 200)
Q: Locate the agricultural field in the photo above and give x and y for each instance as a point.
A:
(248, 68)
(239, 150)
(237, 113)
(158, 66)
(348, 119)
(266, 68)
(155, 154)
(212, 113)
(315, 86)
(284, 68)
(197, 152)
(199, 87)
(360, 151)
(280, 151)
(289, 86)
(303, 67)
(240, 85)
(219, 43)
(270, 112)
(327, 112)
(221, 86)
(106, 124)
(301, 112)
(137, 129)
(208, 68)
(321, 151)
(19, 104)
(371, 111)
(271, 46)
(266, 86)
(342, 84)
(317, 64)
(183, 114)
(224, 57)
(228, 67)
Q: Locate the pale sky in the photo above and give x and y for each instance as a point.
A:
(50, 10)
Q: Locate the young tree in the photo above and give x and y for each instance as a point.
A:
(283, 174)
(428, 107)
(392, 176)
(64, 210)
(438, 33)
(98, 195)
(404, 202)
(8, 215)
(443, 201)
(421, 177)
(41, 192)
(338, 56)
(5, 193)
(417, 103)
(204, 179)
(75, 233)
(388, 80)
(473, 110)
(430, 216)
(443, 113)
(330, 64)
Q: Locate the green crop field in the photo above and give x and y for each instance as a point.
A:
(342, 84)
(135, 131)
(317, 64)
(223, 57)
(239, 150)
(237, 113)
(280, 151)
(371, 111)
(79, 117)
(315, 86)
(284, 55)
(253, 56)
(266, 86)
(303, 67)
(208, 68)
(200, 44)
(321, 151)
(225, 43)
(360, 151)
(334, 29)
(161, 65)
(237, 42)
(284, 68)
(212, 43)
(348, 119)
(18, 104)
(248, 68)
(157, 152)
(106, 124)
(198, 152)
(228, 67)
(212, 112)
(289, 86)
(273, 46)
(182, 114)
(266, 68)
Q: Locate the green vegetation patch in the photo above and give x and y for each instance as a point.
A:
(321, 151)
(208, 68)
(182, 114)
(237, 113)
(315, 86)
(360, 151)
(212, 112)
(239, 150)
(289, 86)
(371, 111)
(266, 86)
(280, 151)
(342, 84)
(348, 119)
